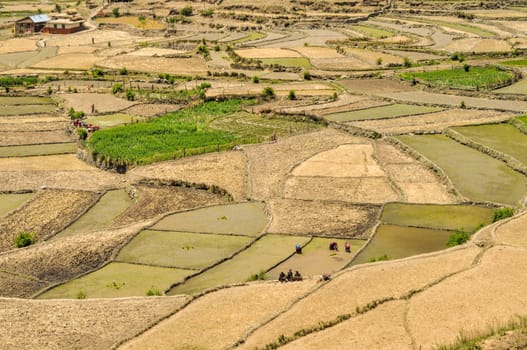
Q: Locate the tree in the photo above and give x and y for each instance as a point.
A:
(268, 92)
(292, 95)
(24, 239)
(307, 75)
(115, 12)
(186, 11)
(58, 8)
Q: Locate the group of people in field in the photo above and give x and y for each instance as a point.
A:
(290, 277)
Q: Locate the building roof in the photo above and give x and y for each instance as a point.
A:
(39, 18)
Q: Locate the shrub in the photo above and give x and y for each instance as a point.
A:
(117, 88)
(380, 258)
(307, 75)
(268, 92)
(73, 114)
(186, 11)
(462, 105)
(81, 295)
(466, 67)
(123, 71)
(207, 12)
(379, 61)
(256, 79)
(58, 8)
(260, 276)
(502, 213)
(154, 291)
(82, 133)
(292, 95)
(130, 96)
(406, 62)
(24, 239)
(457, 238)
(115, 12)
(97, 73)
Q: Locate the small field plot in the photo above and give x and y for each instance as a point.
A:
(18, 138)
(146, 24)
(111, 120)
(288, 62)
(102, 103)
(383, 112)
(261, 256)
(27, 109)
(373, 32)
(180, 249)
(117, 280)
(376, 58)
(477, 45)
(503, 138)
(248, 124)
(519, 87)
(458, 78)
(102, 214)
(10, 202)
(37, 150)
(270, 53)
(26, 100)
(395, 242)
(183, 66)
(317, 259)
(476, 175)
(447, 217)
(240, 219)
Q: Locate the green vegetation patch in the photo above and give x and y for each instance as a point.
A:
(515, 63)
(166, 137)
(374, 32)
(400, 241)
(27, 109)
(288, 61)
(38, 150)
(112, 120)
(26, 100)
(252, 36)
(180, 249)
(390, 111)
(476, 175)
(242, 219)
(102, 214)
(261, 256)
(488, 77)
(10, 202)
(448, 217)
(117, 280)
(317, 259)
(504, 138)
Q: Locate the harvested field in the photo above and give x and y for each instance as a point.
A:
(374, 86)
(12, 124)
(344, 102)
(111, 120)
(102, 215)
(240, 219)
(67, 162)
(453, 100)
(513, 232)
(151, 201)
(517, 88)
(447, 217)
(270, 163)
(356, 288)
(27, 109)
(68, 61)
(262, 255)
(101, 38)
(497, 183)
(480, 297)
(38, 150)
(372, 57)
(18, 45)
(191, 328)
(321, 218)
(369, 331)
(16, 286)
(268, 53)
(395, 242)
(313, 52)
(151, 110)
(15, 138)
(288, 62)
(183, 66)
(57, 261)
(180, 249)
(503, 138)
(226, 170)
(103, 103)
(313, 37)
(438, 121)
(414, 55)
(383, 112)
(10, 202)
(478, 45)
(25, 100)
(117, 280)
(316, 258)
(147, 24)
(46, 214)
(123, 318)
(245, 88)
(340, 63)
(155, 51)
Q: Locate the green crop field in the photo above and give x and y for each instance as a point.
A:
(10, 202)
(400, 241)
(242, 219)
(373, 32)
(102, 214)
(180, 249)
(38, 150)
(504, 138)
(288, 62)
(476, 175)
(166, 137)
(27, 109)
(391, 111)
(117, 280)
(449, 217)
(517, 63)
(261, 256)
(252, 36)
(476, 78)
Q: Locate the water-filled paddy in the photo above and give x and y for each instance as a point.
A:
(10, 202)
(243, 219)
(383, 112)
(118, 280)
(180, 249)
(397, 242)
(476, 175)
(38, 150)
(317, 259)
(261, 256)
(102, 214)
(504, 138)
(448, 217)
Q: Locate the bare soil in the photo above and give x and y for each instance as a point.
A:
(103, 103)
(12, 138)
(16, 286)
(46, 214)
(321, 218)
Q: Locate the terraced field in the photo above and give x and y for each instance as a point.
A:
(384, 112)
(38, 150)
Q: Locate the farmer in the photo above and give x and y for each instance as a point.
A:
(289, 275)
(333, 246)
(347, 247)
(298, 248)
(282, 277)
(297, 276)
